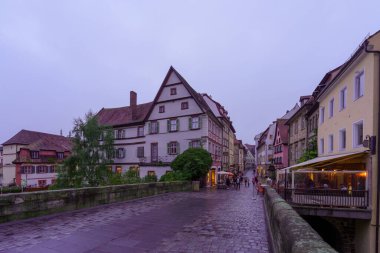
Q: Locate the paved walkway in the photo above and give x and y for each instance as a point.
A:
(208, 221)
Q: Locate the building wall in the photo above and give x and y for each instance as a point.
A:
(297, 137)
(159, 171)
(356, 110)
(9, 169)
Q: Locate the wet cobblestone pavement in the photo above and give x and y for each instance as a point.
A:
(208, 221)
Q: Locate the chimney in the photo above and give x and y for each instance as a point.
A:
(133, 104)
(133, 98)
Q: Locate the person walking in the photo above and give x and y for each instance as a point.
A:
(245, 181)
(228, 183)
(237, 183)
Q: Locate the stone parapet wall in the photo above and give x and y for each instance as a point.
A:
(288, 231)
(31, 204)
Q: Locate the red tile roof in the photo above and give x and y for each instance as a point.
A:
(123, 115)
(40, 141)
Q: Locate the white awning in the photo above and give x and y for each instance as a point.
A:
(324, 159)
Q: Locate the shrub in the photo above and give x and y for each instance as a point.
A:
(193, 164)
(148, 178)
(173, 176)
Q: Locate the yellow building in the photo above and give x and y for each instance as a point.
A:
(340, 188)
(348, 122)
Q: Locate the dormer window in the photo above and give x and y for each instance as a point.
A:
(60, 155)
(34, 154)
(173, 91)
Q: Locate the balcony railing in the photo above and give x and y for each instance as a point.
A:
(326, 197)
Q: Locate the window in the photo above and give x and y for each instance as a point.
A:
(302, 123)
(321, 115)
(41, 183)
(194, 123)
(34, 154)
(151, 173)
(184, 105)
(42, 169)
(343, 98)
(173, 91)
(173, 125)
(120, 153)
(140, 131)
(342, 139)
(331, 143)
(359, 85)
(195, 144)
(119, 169)
(358, 134)
(296, 127)
(120, 134)
(60, 155)
(322, 146)
(27, 169)
(331, 108)
(173, 148)
(52, 169)
(154, 127)
(140, 152)
(161, 109)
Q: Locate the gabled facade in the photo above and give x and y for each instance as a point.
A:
(153, 134)
(297, 131)
(30, 158)
(265, 150)
(228, 130)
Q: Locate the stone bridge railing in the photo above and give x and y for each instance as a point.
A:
(31, 204)
(288, 231)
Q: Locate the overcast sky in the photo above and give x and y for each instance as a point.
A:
(59, 59)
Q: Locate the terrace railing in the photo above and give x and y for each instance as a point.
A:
(326, 197)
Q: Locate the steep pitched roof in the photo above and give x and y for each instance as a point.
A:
(283, 130)
(198, 98)
(338, 72)
(290, 113)
(40, 141)
(123, 115)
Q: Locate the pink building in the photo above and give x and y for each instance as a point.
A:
(280, 145)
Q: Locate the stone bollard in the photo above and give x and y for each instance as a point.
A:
(195, 185)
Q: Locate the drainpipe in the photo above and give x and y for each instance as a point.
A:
(378, 148)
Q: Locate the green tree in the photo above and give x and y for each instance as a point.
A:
(193, 164)
(310, 152)
(91, 154)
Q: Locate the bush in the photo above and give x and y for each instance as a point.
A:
(193, 164)
(11, 189)
(173, 176)
(149, 179)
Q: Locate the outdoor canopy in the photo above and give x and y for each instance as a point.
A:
(325, 160)
(224, 173)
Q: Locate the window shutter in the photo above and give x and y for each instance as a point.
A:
(177, 124)
(115, 134)
(33, 169)
(158, 127)
(190, 144)
(200, 122)
(178, 150)
(168, 147)
(168, 121)
(190, 123)
(361, 87)
(149, 128)
(124, 152)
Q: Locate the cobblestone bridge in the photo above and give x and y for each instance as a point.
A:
(208, 221)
